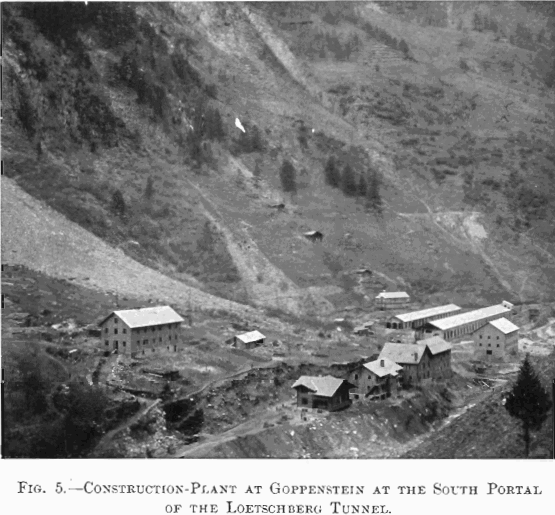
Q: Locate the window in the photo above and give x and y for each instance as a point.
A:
(175, 348)
(160, 339)
(144, 330)
(356, 377)
(116, 344)
(152, 350)
(115, 320)
(115, 330)
(125, 330)
(480, 337)
(480, 345)
(489, 344)
(138, 342)
(488, 352)
(159, 328)
(498, 345)
(170, 336)
(105, 329)
(489, 337)
(153, 329)
(143, 352)
(304, 401)
(498, 337)
(124, 344)
(106, 342)
(145, 342)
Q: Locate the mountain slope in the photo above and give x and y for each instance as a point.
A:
(109, 97)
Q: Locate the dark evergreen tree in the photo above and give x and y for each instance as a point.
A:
(348, 181)
(214, 125)
(256, 143)
(403, 47)
(373, 194)
(331, 172)
(287, 175)
(118, 203)
(149, 188)
(528, 401)
(362, 186)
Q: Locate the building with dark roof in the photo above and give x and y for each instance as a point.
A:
(427, 359)
(323, 392)
(376, 379)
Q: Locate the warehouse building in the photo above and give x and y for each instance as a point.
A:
(416, 319)
(456, 326)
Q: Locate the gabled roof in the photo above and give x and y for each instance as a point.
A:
(393, 295)
(145, 317)
(252, 336)
(470, 316)
(436, 344)
(504, 325)
(360, 329)
(425, 313)
(325, 386)
(403, 353)
(389, 367)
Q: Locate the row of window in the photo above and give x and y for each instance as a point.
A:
(124, 330)
(489, 337)
(489, 345)
(145, 342)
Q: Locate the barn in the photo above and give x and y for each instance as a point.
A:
(248, 340)
(314, 236)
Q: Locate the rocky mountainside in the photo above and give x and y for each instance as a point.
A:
(122, 117)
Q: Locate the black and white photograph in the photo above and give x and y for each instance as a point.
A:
(296, 230)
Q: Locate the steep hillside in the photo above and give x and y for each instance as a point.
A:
(487, 431)
(122, 118)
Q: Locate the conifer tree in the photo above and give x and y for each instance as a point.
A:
(287, 175)
(149, 188)
(118, 203)
(373, 194)
(331, 172)
(528, 401)
(362, 186)
(348, 181)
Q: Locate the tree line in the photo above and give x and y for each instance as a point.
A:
(355, 185)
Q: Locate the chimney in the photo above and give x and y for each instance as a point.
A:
(416, 356)
(382, 363)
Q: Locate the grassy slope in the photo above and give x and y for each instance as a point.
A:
(432, 216)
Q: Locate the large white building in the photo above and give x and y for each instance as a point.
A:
(456, 326)
(416, 319)
(392, 299)
(142, 331)
(496, 340)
